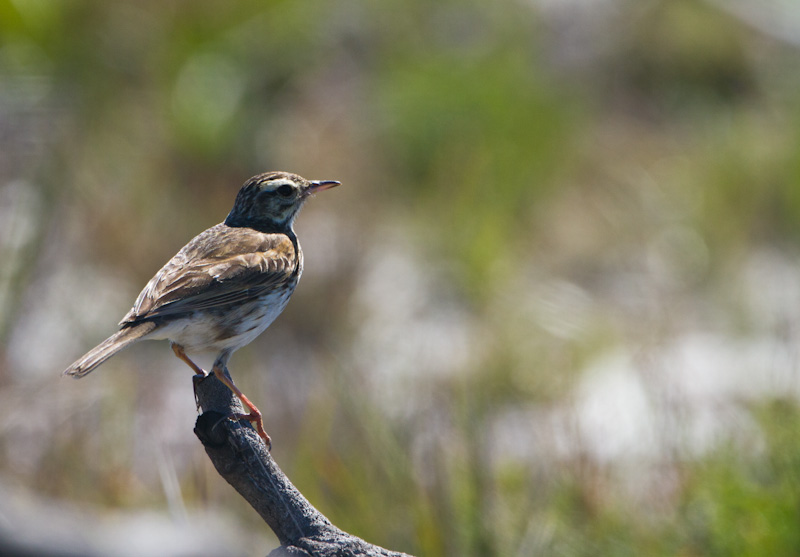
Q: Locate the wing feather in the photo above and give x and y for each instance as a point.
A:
(219, 267)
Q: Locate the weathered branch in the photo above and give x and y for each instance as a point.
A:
(241, 457)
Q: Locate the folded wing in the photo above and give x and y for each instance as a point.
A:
(220, 267)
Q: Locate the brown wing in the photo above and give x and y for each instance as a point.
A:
(220, 266)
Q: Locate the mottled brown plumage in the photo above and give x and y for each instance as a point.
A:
(223, 288)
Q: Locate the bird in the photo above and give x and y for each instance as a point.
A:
(223, 288)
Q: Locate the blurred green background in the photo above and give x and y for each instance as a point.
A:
(553, 309)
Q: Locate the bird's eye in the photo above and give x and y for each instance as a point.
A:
(285, 190)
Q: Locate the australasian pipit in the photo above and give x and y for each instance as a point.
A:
(222, 289)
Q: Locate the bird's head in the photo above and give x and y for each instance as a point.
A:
(271, 201)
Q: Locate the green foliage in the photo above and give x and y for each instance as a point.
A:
(475, 131)
(745, 502)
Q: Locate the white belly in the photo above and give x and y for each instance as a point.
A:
(228, 329)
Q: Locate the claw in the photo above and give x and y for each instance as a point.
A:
(254, 416)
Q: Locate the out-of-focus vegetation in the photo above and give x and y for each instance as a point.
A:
(553, 310)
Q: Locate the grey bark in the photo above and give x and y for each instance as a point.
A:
(241, 457)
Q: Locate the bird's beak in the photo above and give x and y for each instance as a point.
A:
(321, 185)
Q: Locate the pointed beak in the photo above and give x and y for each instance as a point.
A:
(321, 185)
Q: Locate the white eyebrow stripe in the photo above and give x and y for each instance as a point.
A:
(275, 184)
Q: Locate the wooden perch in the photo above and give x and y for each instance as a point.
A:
(241, 457)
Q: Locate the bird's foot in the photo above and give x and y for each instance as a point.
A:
(254, 417)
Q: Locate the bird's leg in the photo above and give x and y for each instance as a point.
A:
(221, 373)
(199, 373)
(181, 353)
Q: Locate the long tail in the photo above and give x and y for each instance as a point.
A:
(107, 348)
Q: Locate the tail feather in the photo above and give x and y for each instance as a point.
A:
(108, 348)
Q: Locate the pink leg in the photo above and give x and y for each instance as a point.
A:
(181, 353)
(255, 415)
